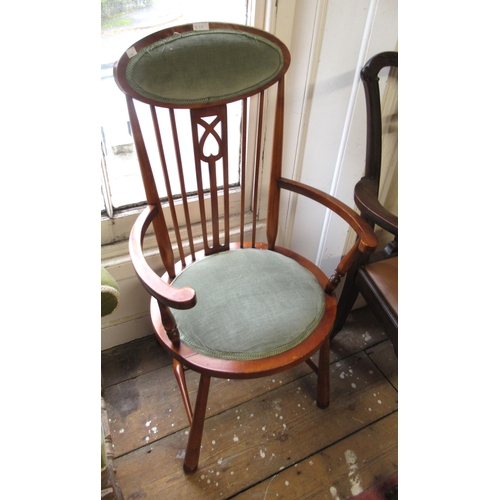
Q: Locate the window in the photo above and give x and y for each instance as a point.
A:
(122, 191)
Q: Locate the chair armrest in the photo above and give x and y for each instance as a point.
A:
(178, 298)
(366, 199)
(367, 239)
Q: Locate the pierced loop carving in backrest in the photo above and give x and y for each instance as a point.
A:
(210, 132)
(209, 127)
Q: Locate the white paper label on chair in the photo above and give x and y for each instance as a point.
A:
(131, 52)
(201, 26)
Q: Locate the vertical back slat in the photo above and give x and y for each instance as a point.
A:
(182, 183)
(258, 156)
(243, 171)
(199, 178)
(166, 177)
(214, 205)
(225, 175)
(152, 197)
(276, 160)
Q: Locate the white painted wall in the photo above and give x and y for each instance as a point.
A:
(329, 40)
(333, 129)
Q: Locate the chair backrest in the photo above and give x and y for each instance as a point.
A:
(194, 87)
(366, 190)
(370, 78)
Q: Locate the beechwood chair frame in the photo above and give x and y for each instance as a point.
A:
(165, 296)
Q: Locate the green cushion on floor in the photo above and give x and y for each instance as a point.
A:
(251, 304)
(110, 293)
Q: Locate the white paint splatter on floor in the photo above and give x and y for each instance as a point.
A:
(333, 492)
(351, 460)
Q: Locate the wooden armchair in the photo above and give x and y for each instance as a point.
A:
(374, 276)
(228, 305)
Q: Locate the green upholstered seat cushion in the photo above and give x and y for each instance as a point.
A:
(203, 66)
(110, 293)
(251, 304)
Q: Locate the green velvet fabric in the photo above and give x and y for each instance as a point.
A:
(251, 304)
(203, 66)
(110, 293)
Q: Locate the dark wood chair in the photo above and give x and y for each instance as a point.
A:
(228, 305)
(374, 276)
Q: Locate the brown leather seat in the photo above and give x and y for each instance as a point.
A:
(378, 284)
(384, 277)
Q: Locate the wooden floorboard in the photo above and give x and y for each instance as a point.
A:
(342, 470)
(264, 438)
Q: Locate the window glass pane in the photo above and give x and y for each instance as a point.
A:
(119, 30)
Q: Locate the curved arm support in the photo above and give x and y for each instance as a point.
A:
(366, 242)
(366, 199)
(167, 295)
(367, 239)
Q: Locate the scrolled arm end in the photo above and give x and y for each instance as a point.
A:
(164, 293)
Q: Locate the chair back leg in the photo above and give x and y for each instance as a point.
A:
(181, 382)
(195, 434)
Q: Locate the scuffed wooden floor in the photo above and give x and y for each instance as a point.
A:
(263, 438)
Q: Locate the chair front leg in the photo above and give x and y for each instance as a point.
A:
(195, 434)
(323, 398)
